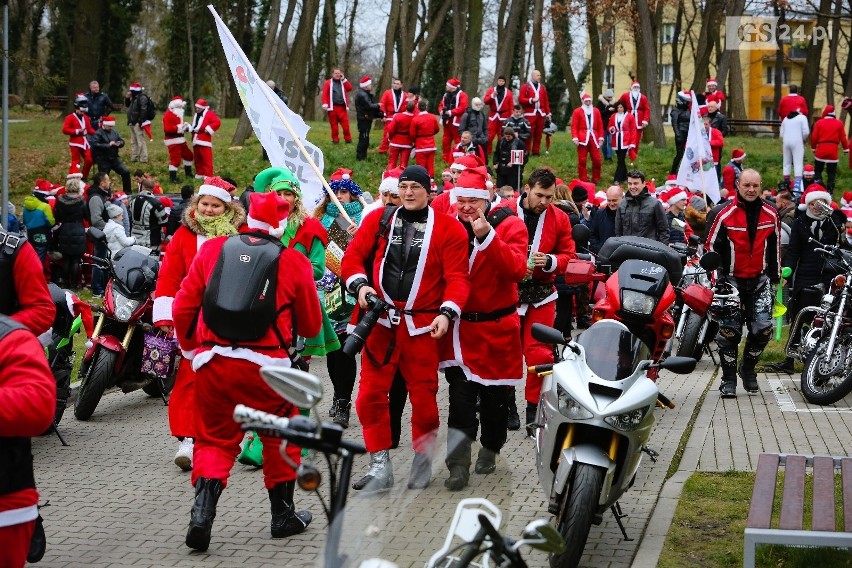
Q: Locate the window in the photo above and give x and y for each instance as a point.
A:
(609, 75)
(768, 113)
(770, 75)
(666, 71)
(667, 34)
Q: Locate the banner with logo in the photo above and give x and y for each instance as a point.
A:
(697, 171)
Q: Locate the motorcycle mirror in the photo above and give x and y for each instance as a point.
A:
(679, 365)
(96, 234)
(296, 387)
(541, 535)
(547, 334)
(581, 234)
(710, 260)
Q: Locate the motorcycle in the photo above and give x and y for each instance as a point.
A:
(695, 329)
(594, 418)
(114, 355)
(475, 522)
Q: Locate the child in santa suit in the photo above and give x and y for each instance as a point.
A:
(204, 126)
(497, 262)
(78, 127)
(174, 128)
(227, 375)
(211, 213)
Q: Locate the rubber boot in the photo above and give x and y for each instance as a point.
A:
(458, 460)
(187, 171)
(252, 452)
(207, 492)
(751, 355)
(421, 471)
(173, 176)
(532, 409)
(286, 521)
(514, 421)
(486, 461)
(380, 475)
(728, 386)
(786, 366)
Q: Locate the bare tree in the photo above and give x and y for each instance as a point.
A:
(708, 38)
(390, 40)
(297, 67)
(425, 40)
(596, 61)
(537, 40)
(473, 44)
(832, 52)
(650, 55)
(350, 38)
(507, 36)
(460, 28)
(813, 57)
(560, 15)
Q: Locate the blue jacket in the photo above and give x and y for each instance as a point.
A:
(602, 226)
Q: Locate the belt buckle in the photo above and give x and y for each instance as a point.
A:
(394, 317)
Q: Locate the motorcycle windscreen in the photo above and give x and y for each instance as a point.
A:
(135, 269)
(612, 352)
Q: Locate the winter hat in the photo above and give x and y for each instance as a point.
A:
(120, 196)
(738, 155)
(389, 185)
(346, 185)
(465, 162)
(108, 121)
(585, 97)
(698, 202)
(454, 83)
(216, 187)
(712, 82)
(608, 94)
(674, 195)
(446, 173)
(848, 212)
(808, 171)
(671, 180)
(340, 173)
(136, 87)
(74, 172)
(365, 82)
(828, 111)
(177, 102)
(578, 191)
(201, 103)
(704, 112)
(846, 200)
(472, 183)
(417, 174)
(42, 186)
(813, 192)
(277, 179)
(268, 213)
(113, 211)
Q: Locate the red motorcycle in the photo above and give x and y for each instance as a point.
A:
(114, 356)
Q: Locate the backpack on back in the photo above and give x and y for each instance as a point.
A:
(239, 304)
(151, 112)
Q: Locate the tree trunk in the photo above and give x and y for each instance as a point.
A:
(331, 28)
(779, 57)
(650, 55)
(707, 39)
(832, 52)
(470, 75)
(84, 60)
(813, 59)
(519, 61)
(413, 71)
(387, 75)
(726, 66)
(597, 59)
(506, 38)
(459, 30)
(282, 44)
(562, 47)
(297, 66)
(736, 99)
(190, 55)
(537, 40)
(350, 38)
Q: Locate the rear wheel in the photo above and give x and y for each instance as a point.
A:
(577, 515)
(95, 383)
(689, 345)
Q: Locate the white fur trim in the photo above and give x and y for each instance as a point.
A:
(365, 83)
(162, 311)
(279, 232)
(209, 130)
(472, 192)
(552, 264)
(255, 224)
(353, 278)
(814, 195)
(108, 123)
(389, 185)
(677, 197)
(238, 353)
(215, 191)
(453, 306)
(18, 516)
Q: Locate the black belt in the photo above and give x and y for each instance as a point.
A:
(488, 316)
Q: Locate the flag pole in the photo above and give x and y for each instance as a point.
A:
(273, 103)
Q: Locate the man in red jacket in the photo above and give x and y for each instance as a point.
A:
(78, 127)
(501, 101)
(228, 374)
(792, 101)
(335, 101)
(533, 97)
(551, 246)
(450, 109)
(23, 289)
(27, 404)
(587, 132)
(417, 262)
(637, 104)
(827, 138)
(424, 127)
(392, 101)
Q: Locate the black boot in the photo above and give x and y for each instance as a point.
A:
(785, 366)
(751, 355)
(458, 460)
(173, 176)
(532, 409)
(286, 521)
(514, 421)
(728, 358)
(187, 171)
(207, 492)
(486, 461)
(340, 409)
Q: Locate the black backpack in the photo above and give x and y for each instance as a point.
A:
(239, 304)
(151, 112)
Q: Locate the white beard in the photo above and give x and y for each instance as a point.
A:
(178, 111)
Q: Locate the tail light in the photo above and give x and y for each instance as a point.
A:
(839, 281)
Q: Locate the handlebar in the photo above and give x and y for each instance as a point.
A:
(246, 415)
(540, 368)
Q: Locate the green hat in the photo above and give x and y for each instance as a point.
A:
(277, 179)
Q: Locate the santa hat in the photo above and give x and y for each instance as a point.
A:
(390, 185)
(712, 81)
(704, 111)
(738, 155)
(268, 213)
(846, 200)
(674, 195)
(651, 187)
(465, 162)
(808, 170)
(135, 87)
(43, 186)
(471, 183)
(340, 173)
(634, 84)
(446, 173)
(365, 82)
(600, 195)
(74, 172)
(216, 187)
(394, 173)
(813, 192)
(828, 111)
(177, 102)
(202, 104)
(454, 83)
(120, 196)
(671, 180)
(108, 121)
(585, 97)
(848, 212)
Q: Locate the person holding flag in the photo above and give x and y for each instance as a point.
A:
(697, 172)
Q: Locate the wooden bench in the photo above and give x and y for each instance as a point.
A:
(791, 529)
(755, 127)
(54, 103)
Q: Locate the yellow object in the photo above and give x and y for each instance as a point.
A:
(778, 310)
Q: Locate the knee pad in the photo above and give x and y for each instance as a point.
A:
(728, 338)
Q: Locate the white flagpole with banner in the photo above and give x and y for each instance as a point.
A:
(697, 171)
(279, 129)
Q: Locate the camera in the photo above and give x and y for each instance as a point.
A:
(355, 341)
(589, 206)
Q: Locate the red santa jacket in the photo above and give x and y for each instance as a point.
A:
(461, 105)
(399, 130)
(173, 128)
(534, 99)
(35, 306)
(443, 202)
(716, 95)
(296, 289)
(391, 103)
(204, 126)
(441, 276)
(580, 127)
(326, 94)
(791, 102)
(27, 404)
(717, 142)
(640, 111)
(77, 127)
(423, 129)
(827, 137)
(496, 266)
(501, 109)
(622, 131)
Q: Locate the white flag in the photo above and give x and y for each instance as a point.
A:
(260, 102)
(696, 169)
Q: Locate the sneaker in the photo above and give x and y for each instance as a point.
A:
(183, 457)
(728, 390)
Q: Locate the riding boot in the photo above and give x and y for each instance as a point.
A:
(187, 171)
(207, 492)
(728, 357)
(380, 475)
(458, 460)
(286, 521)
(751, 355)
(514, 421)
(486, 461)
(421, 471)
(532, 409)
(173, 176)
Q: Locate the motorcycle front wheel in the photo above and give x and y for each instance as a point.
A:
(577, 515)
(827, 379)
(95, 383)
(689, 345)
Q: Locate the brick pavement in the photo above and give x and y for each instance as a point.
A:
(117, 499)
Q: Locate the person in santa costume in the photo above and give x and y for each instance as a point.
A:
(204, 126)
(713, 93)
(175, 129)
(622, 129)
(27, 405)
(400, 137)
(392, 101)
(731, 172)
(451, 108)
(227, 375)
(500, 100)
(497, 251)
(424, 127)
(717, 141)
(827, 138)
(551, 246)
(211, 213)
(445, 202)
(637, 104)
(78, 127)
(792, 101)
(335, 102)
(587, 132)
(23, 288)
(533, 97)
(419, 266)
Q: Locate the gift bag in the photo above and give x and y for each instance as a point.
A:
(159, 355)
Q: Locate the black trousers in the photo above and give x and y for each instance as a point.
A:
(397, 397)
(108, 165)
(341, 369)
(510, 176)
(680, 147)
(493, 409)
(364, 126)
(621, 166)
(830, 170)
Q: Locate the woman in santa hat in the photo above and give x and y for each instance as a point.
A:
(622, 129)
(211, 213)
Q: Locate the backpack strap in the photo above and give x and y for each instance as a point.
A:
(8, 325)
(498, 215)
(384, 233)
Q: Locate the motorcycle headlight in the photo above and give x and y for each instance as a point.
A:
(124, 306)
(637, 302)
(570, 408)
(628, 421)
